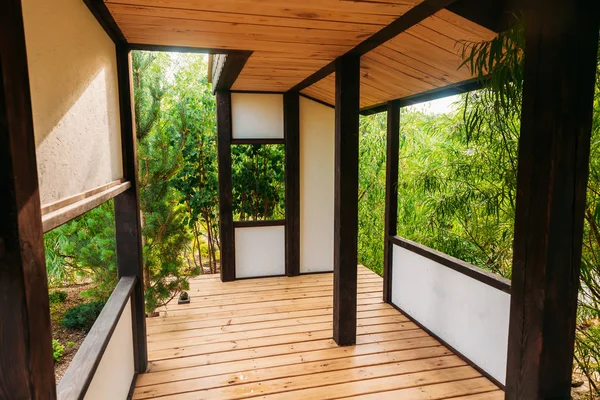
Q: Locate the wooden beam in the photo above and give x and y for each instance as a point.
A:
(347, 100)
(412, 17)
(226, 229)
(434, 94)
(26, 363)
(75, 209)
(127, 210)
(181, 49)
(232, 67)
(106, 20)
(561, 39)
(291, 122)
(391, 194)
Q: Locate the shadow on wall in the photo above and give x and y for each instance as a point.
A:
(74, 89)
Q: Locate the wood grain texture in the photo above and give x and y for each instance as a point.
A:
(283, 351)
(78, 205)
(79, 375)
(554, 145)
(26, 363)
(128, 229)
(226, 228)
(345, 246)
(424, 58)
(391, 194)
(291, 123)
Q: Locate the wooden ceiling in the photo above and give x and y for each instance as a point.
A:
(425, 57)
(292, 40)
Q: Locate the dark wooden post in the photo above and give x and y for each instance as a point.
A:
(26, 363)
(561, 50)
(291, 116)
(127, 211)
(224, 133)
(391, 194)
(347, 88)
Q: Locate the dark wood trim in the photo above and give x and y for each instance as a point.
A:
(258, 141)
(316, 272)
(256, 92)
(26, 363)
(132, 387)
(80, 373)
(226, 228)
(561, 44)
(181, 49)
(291, 123)
(258, 224)
(67, 201)
(464, 268)
(261, 277)
(69, 212)
(128, 226)
(452, 349)
(106, 20)
(438, 93)
(412, 17)
(391, 194)
(233, 65)
(347, 99)
(316, 100)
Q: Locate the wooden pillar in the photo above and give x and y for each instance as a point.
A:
(347, 85)
(391, 194)
(561, 50)
(26, 363)
(224, 133)
(127, 211)
(291, 117)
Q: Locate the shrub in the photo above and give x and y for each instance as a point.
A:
(58, 296)
(57, 350)
(82, 316)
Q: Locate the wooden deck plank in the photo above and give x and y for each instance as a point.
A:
(272, 338)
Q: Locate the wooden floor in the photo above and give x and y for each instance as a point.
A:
(270, 338)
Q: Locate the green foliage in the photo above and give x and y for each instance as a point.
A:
(161, 141)
(58, 350)
(85, 248)
(197, 180)
(371, 204)
(82, 316)
(258, 178)
(57, 296)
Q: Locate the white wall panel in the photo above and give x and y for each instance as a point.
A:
(259, 251)
(317, 178)
(469, 315)
(115, 372)
(257, 116)
(74, 94)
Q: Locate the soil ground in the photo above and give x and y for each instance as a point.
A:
(64, 335)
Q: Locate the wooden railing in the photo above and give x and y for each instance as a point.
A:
(465, 307)
(81, 374)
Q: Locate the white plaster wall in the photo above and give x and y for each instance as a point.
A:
(115, 372)
(317, 179)
(259, 251)
(74, 93)
(257, 116)
(469, 315)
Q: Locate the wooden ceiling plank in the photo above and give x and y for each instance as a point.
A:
(394, 66)
(249, 19)
(405, 21)
(329, 10)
